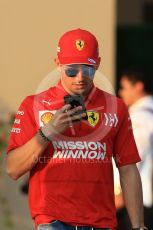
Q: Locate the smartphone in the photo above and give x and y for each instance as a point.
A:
(74, 101)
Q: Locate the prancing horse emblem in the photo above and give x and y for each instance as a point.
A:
(93, 117)
(79, 44)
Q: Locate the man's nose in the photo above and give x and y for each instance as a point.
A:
(79, 75)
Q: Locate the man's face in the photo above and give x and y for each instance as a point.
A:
(77, 79)
(128, 91)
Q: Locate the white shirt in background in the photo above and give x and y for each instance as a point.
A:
(141, 114)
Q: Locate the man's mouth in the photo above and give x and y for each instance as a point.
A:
(79, 83)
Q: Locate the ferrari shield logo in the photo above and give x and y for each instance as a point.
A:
(79, 44)
(93, 117)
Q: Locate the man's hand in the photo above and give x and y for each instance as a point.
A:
(23, 159)
(62, 119)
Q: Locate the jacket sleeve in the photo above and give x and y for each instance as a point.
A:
(24, 126)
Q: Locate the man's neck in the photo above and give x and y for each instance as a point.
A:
(144, 94)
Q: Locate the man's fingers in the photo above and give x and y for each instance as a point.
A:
(67, 115)
(69, 119)
(73, 111)
(64, 108)
(78, 117)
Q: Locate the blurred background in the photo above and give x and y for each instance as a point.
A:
(29, 32)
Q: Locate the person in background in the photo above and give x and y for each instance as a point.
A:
(136, 92)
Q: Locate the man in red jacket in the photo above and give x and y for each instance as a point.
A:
(69, 151)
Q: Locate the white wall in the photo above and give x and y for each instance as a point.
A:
(29, 33)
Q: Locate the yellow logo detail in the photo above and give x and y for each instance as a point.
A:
(93, 117)
(46, 117)
(79, 44)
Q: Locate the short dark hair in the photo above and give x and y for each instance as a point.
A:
(139, 75)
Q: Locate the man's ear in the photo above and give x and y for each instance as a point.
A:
(57, 62)
(140, 86)
(97, 66)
